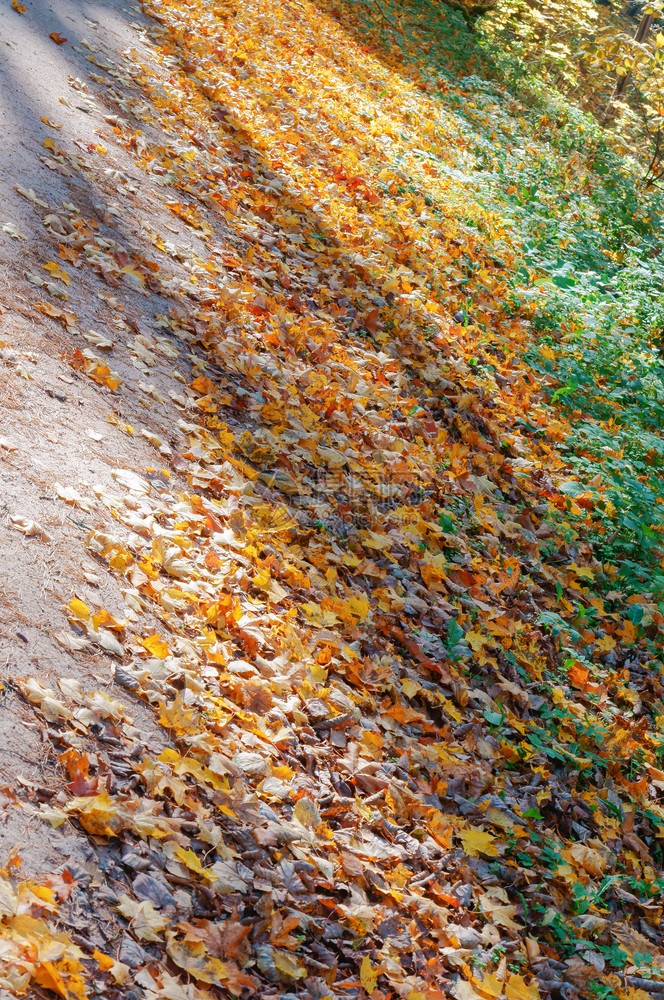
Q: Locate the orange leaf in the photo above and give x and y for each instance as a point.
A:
(578, 675)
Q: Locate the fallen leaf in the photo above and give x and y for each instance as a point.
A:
(477, 842)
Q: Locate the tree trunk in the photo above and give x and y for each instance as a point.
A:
(621, 83)
(471, 9)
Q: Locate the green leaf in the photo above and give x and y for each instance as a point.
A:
(635, 614)
(454, 633)
(446, 523)
(493, 718)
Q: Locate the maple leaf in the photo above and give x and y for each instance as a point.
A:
(175, 716)
(193, 958)
(56, 271)
(477, 842)
(578, 675)
(477, 641)
(68, 320)
(155, 645)
(98, 815)
(145, 921)
(368, 977)
(225, 938)
(61, 977)
(516, 988)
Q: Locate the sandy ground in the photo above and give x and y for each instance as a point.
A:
(54, 421)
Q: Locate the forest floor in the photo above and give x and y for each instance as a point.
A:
(318, 678)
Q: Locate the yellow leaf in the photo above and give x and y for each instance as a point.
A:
(191, 860)
(464, 991)
(368, 977)
(55, 976)
(176, 716)
(499, 818)
(288, 964)
(503, 916)
(476, 640)
(605, 644)
(98, 815)
(44, 893)
(318, 673)
(194, 960)
(359, 607)
(372, 743)
(583, 571)
(56, 817)
(628, 632)
(146, 922)
(316, 616)
(155, 645)
(490, 985)
(477, 842)
(56, 271)
(375, 541)
(118, 970)
(516, 988)
(79, 610)
(306, 812)
(410, 687)
(135, 277)
(441, 829)
(451, 709)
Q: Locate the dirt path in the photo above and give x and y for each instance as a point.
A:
(57, 427)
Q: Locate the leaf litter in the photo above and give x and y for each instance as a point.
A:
(406, 749)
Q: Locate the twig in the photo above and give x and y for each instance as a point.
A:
(650, 177)
(382, 13)
(650, 985)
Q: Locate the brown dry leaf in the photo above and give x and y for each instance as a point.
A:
(194, 959)
(31, 529)
(146, 922)
(306, 812)
(585, 857)
(71, 495)
(68, 320)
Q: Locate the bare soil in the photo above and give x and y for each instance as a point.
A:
(56, 424)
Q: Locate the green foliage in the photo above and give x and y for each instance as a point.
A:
(591, 275)
(600, 358)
